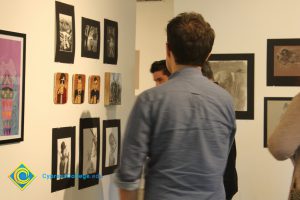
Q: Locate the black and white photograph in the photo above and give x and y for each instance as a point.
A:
(110, 42)
(89, 151)
(235, 73)
(65, 33)
(90, 42)
(111, 145)
(274, 107)
(63, 158)
(112, 89)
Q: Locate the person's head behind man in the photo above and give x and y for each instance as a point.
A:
(160, 72)
(189, 40)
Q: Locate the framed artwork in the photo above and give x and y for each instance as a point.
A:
(112, 89)
(89, 152)
(111, 146)
(90, 41)
(283, 62)
(110, 42)
(235, 73)
(274, 107)
(12, 85)
(78, 88)
(65, 33)
(63, 158)
(61, 88)
(94, 89)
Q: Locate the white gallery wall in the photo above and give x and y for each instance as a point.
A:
(37, 20)
(241, 27)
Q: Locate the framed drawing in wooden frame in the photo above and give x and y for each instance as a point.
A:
(235, 73)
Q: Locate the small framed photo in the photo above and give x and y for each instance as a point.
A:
(112, 89)
(61, 81)
(235, 73)
(110, 42)
(283, 62)
(90, 42)
(89, 152)
(65, 33)
(94, 89)
(78, 88)
(63, 158)
(274, 107)
(111, 146)
(12, 85)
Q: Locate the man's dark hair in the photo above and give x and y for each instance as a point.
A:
(190, 38)
(160, 66)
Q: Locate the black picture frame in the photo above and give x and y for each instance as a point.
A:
(274, 107)
(12, 84)
(283, 62)
(90, 38)
(89, 152)
(109, 164)
(63, 139)
(110, 52)
(65, 33)
(235, 73)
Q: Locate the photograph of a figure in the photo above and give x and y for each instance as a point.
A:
(94, 89)
(65, 33)
(64, 156)
(112, 89)
(287, 61)
(90, 150)
(78, 88)
(110, 42)
(90, 45)
(61, 88)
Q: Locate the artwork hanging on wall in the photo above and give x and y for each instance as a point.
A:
(112, 89)
(61, 88)
(235, 73)
(12, 85)
(274, 107)
(65, 33)
(90, 41)
(111, 145)
(110, 42)
(94, 89)
(283, 62)
(78, 88)
(63, 158)
(89, 152)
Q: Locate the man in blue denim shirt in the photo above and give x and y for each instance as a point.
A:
(185, 126)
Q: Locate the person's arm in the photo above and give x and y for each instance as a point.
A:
(285, 139)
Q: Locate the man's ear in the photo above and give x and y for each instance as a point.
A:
(168, 51)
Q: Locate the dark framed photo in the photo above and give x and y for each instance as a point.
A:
(110, 42)
(283, 62)
(111, 146)
(274, 107)
(90, 41)
(63, 158)
(89, 152)
(12, 85)
(65, 33)
(235, 73)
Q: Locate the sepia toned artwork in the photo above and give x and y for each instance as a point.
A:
(63, 158)
(61, 88)
(94, 89)
(89, 151)
(235, 73)
(110, 42)
(274, 107)
(12, 86)
(65, 33)
(90, 41)
(111, 145)
(78, 88)
(112, 89)
(283, 62)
